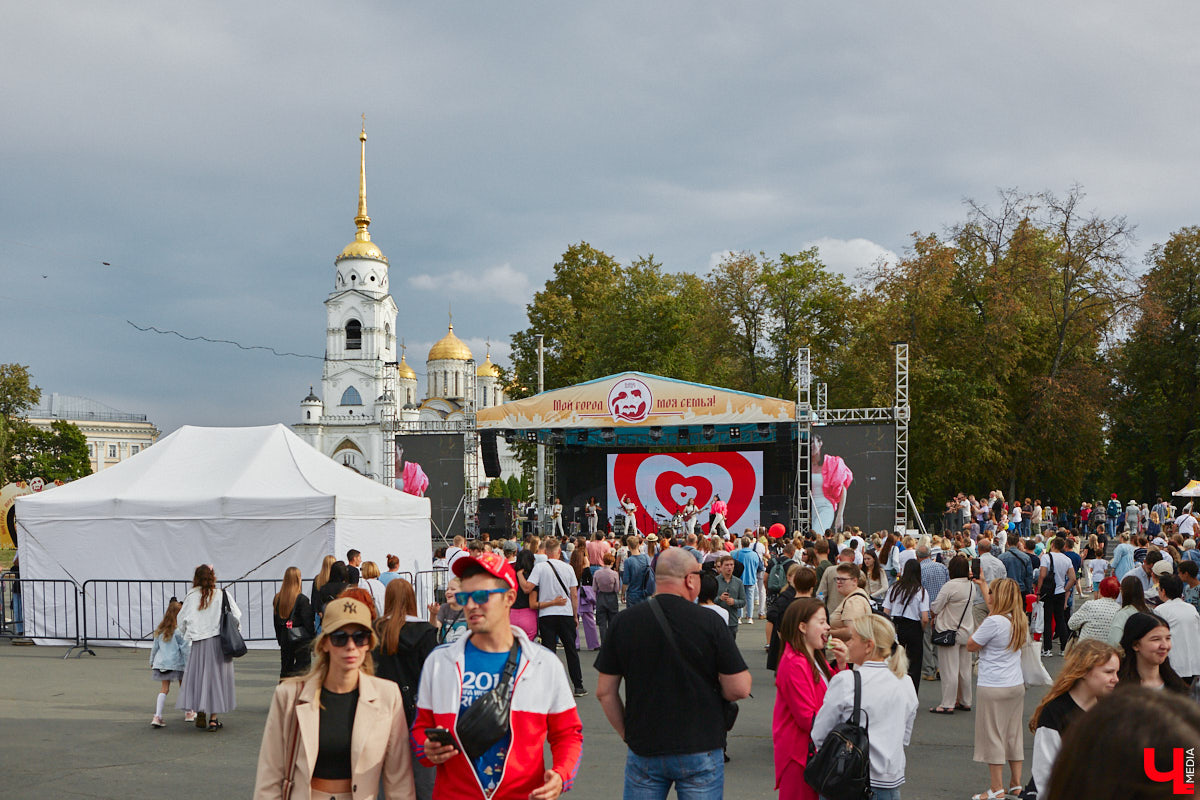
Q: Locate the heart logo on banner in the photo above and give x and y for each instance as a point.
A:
(661, 483)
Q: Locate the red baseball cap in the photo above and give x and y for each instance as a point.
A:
(491, 563)
(1114, 495)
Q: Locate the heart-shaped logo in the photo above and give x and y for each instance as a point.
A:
(662, 483)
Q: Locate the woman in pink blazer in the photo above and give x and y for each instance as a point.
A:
(800, 684)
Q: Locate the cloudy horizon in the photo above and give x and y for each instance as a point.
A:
(195, 168)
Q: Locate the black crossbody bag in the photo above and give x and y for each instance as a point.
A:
(485, 721)
(729, 710)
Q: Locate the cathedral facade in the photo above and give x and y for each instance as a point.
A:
(368, 395)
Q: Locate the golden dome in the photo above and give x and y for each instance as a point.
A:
(450, 348)
(487, 369)
(362, 246)
(404, 370)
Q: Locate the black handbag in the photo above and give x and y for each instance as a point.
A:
(841, 769)
(232, 644)
(950, 638)
(729, 709)
(485, 721)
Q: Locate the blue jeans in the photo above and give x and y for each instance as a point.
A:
(887, 794)
(697, 776)
(18, 615)
(747, 611)
(1110, 526)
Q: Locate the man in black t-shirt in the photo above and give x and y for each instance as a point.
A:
(672, 718)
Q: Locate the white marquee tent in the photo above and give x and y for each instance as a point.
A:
(249, 501)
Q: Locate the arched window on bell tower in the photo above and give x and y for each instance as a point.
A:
(354, 335)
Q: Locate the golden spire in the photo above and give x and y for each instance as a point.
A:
(362, 220)
(362, 247)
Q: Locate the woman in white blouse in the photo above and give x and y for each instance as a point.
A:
(888, 698)
(1000, 701)
(1184, 622)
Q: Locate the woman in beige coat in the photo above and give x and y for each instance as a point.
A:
(954, 663)
(335, 732)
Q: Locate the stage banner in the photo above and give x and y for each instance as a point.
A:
(635, 399)
(661, 484)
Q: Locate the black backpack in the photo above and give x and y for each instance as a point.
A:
(841, 769)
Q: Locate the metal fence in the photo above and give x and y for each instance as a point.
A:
(44, 609)
(122, 611)
(430, 586)
(130, 610)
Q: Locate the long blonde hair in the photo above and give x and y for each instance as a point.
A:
(1083, 658)
(323, 576)
(877, 629)
(285, 601)
(1007, 601)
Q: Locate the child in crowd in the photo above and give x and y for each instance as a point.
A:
(168, 657)
(448, 618)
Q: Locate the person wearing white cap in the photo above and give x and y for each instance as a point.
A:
(338, 728)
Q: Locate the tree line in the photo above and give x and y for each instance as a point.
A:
(1043, 361)
(28, 451)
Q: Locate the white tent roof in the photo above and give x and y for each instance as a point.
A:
(208, 473)
(1191, 490)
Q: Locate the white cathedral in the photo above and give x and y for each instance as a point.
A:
(366, 390)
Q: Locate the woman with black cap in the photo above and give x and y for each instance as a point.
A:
(338, 727)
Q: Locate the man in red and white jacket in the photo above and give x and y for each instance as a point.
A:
(542, 709)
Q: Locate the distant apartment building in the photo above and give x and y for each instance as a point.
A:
(112, 435)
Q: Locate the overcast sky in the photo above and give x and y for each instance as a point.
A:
(208, 152)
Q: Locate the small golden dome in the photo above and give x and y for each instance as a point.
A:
(487, 369)
(404, 370)
(450, 348)
(362, 249)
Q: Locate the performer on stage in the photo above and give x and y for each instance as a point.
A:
(630, 509)
(690, 513)
(719, 510)
(829, 478)
(592, 511)
(556, 518)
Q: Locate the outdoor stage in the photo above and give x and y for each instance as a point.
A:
(662, 441)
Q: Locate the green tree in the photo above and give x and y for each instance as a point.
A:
(17, 395)
(517, 488)
(59, 454)
(1155, 437)
(497, 488)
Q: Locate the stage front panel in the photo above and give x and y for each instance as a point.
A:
(662, 483)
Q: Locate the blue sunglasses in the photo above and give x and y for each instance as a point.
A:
(480, 596)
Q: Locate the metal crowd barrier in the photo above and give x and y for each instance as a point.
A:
(41, 609)
(430, 586)
(130, 610)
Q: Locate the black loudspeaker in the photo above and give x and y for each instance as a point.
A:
(775, 508)
(495, 517)
(491, 455)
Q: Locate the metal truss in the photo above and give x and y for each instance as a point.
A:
(902, 413)
(803, 436)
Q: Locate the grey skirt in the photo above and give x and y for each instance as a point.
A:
(207, 680)
(168, 675)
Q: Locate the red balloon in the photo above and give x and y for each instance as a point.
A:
(777, 530)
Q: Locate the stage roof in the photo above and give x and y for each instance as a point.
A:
(635, 400)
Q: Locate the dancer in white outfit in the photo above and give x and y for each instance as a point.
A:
(556, 518)
(630, 509)
(690, 513)
(592, 512)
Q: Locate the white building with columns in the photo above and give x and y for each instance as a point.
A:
(366, 393)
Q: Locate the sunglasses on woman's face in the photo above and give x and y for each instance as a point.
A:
(342, 638)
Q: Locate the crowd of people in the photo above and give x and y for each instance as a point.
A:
(461, 698)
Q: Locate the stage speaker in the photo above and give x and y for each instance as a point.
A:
(495, 516)
(775, 508)
(491, 454)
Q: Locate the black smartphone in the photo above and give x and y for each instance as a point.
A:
(440, 735)
(975, 568)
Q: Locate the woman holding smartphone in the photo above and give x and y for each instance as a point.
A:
(338, 727)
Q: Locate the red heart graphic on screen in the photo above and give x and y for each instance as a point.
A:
(672, 489)
(672, 485)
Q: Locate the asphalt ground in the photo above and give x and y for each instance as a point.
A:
(80, 727)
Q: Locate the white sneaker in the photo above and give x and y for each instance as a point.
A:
(749, 620)
(189, 716)
(157, 722)
(1047, 653)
